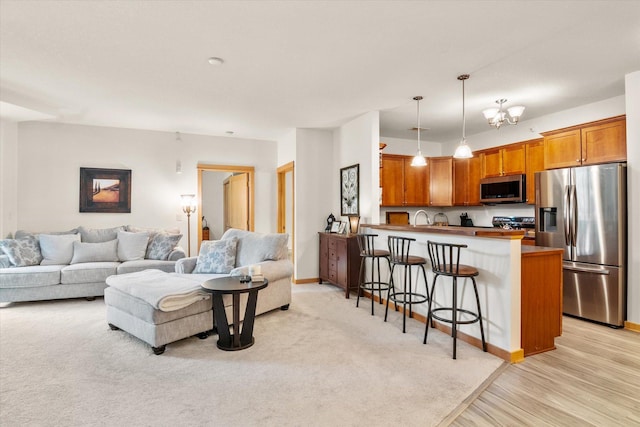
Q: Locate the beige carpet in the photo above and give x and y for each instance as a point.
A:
(323, 362)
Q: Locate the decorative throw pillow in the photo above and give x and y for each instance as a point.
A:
(95, 252)
(99, 235)
(162, 245)
(22, 252)
(132, 246)
(217, 256)
(57, 249)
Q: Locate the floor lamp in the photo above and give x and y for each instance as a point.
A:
(188, 207)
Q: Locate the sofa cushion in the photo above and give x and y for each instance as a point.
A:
(30, 277)
(217, 256)
(145, 264)
(162, 245)
(88, 272)
(99, 235)
(57, 249)
(132, 246)
(257, 247)
(95, 252)
(22, 252)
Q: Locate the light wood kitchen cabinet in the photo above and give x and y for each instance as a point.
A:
(403, 184)
(602, 141)
(466, 181)
(534, 153)
(503, 160)
(440, 181)
(339, 261)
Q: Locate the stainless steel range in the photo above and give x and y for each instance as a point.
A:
(514, 222)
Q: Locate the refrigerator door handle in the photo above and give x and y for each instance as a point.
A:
(566, 219)
(604, 272)
(574, 216)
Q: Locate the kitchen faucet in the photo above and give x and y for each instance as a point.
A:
(415, 217)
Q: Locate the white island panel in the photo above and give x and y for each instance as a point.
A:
(498, 262)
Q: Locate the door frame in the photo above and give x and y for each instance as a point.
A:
(282, 172)
(249, 170)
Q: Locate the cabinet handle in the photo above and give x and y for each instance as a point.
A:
(578, 160)
(584, 160)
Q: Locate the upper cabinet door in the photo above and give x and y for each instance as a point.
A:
(513, 159)
(604, 143)
(392, 180)
(416, 184)
(440, 181)
(562, 149)
(492, 163)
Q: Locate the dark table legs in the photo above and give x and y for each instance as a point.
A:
(238, 340)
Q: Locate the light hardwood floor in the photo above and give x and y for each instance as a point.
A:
(591, 379)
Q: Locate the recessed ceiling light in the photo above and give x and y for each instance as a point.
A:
(215, 60)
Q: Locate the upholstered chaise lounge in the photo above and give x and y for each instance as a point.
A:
(144, 313)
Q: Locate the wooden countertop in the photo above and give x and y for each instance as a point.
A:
(538, 250)
(498, 233)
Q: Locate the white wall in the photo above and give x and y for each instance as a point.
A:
(8, 177)
(313, 196)
(357, 142)
(632, 103)
(50, 156)
(409, 147)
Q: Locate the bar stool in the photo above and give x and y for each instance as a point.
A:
(366, 243)
(445, 261)
(399, 256)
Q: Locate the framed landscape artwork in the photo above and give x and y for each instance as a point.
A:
(105, 190)
(349, 183)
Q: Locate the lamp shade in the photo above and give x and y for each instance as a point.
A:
(419, 160)
(463, 151)
(516, 112)
(354, 222)
(188, 203)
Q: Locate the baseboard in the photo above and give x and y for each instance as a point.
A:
(635, 327)
(305, 281)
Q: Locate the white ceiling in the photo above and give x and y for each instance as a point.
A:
(310, 64)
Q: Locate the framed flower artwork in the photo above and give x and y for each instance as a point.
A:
(349, 190)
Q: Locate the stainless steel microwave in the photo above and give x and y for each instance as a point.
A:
(503, 189)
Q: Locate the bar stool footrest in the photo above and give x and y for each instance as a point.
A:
(399, 297)
(475, 317)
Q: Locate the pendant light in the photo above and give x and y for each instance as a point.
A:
(463, 151)
(419, 159)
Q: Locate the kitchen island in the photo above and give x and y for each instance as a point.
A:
(498, 255)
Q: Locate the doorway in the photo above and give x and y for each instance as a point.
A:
(286, 205)
(228, 186)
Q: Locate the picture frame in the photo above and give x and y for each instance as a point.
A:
(105, 190)
(343, 227)
(349, 190)
(335, 227)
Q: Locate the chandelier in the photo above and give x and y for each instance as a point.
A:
(419, 159)
(497, 116)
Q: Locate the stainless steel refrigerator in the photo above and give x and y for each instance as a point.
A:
(584, 211)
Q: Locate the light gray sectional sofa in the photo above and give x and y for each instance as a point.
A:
(76, 263)
(144, 317)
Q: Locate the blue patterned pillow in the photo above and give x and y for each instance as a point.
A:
(161, 246)
(22, 252)
(217, 256)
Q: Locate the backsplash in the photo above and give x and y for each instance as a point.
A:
(480, 215)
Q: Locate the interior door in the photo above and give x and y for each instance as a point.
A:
(286, 205)
(236, 202)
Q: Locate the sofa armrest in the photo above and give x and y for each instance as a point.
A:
(272, 270)
(176, 254)
(186, 265)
